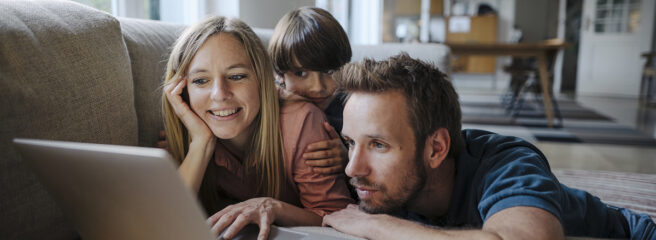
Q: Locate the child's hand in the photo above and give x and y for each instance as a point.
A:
(161, 141)
(328, 156)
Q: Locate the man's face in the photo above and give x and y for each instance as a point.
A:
(384, 165)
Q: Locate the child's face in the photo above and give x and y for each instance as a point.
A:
(319, 87)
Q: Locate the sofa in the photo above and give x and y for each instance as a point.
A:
(73, 73)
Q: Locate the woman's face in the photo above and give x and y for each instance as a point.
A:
(223, 88)
(319, 87)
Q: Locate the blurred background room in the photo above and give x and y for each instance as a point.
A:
(596, 111)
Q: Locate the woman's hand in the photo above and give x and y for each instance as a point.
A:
(261, 211)
(328, 156)
(197, 128)
(203, 141)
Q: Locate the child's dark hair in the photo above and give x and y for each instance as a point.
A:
(310, 38)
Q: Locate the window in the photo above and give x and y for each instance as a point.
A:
(145, 9)
(104, 5)
(617, 16)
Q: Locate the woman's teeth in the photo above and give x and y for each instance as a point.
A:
(225, 113)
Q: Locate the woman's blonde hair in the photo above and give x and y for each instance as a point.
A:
(265, 150)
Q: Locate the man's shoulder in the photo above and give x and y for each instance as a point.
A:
(482, 143)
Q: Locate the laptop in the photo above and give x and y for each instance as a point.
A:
(124, 192)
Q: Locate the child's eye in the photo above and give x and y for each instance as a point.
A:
(349, 143)
(199, 81)
(300, 73)
(237, 77)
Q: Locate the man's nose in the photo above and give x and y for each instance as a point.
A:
(358, 165)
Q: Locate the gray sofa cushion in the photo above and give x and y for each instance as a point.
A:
(438, 54)
(65, 75)
(148, 44)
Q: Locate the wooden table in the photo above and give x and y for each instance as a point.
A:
(542, 51)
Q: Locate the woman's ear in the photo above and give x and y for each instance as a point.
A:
(437, 147)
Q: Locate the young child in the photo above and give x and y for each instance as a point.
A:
(307, 45)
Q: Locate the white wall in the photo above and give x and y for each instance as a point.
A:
(187, 12)
(226, 8)
(265, 14)
(538, 19)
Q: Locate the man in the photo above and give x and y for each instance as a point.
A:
(415, 170)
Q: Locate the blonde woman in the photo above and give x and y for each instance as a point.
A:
(234, 143)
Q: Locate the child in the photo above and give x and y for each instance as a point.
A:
(307, 45)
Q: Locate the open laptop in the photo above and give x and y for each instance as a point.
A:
(123, 192)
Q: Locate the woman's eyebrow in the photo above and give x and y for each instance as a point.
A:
(238, 65)
(197, 71)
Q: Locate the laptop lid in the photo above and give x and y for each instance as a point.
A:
(116, 192)
(124, 192)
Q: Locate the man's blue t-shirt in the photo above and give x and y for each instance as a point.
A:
(496, 172)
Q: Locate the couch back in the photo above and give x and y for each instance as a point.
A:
(66, 75)
(435, 53)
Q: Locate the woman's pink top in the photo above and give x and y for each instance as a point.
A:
(302, 124)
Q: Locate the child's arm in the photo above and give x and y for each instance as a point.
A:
(328, 156)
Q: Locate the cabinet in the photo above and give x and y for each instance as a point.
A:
(482, 29)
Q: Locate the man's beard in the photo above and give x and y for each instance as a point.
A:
(411, 183)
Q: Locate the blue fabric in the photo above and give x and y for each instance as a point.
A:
(641, 226)
(497, 172)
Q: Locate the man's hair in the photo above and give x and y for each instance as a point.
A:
(310, 37)
(432, 100)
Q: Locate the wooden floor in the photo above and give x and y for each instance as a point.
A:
(606, 157)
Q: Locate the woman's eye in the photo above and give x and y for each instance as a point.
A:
(199, 81)
(329, 72)
(300, 73)
(237, 77)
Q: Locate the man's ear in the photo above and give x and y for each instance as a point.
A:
(437, 147)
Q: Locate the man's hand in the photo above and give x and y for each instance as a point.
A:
(350, 220)
(261, 211)
(328, 156)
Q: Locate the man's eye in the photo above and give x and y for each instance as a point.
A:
(379, 145)
(329, 72)
(300, 73)
(199, 81)
(237, 77)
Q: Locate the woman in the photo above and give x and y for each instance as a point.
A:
(234, 143)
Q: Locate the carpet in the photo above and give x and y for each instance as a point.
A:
(579, 124)
(633, 191)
